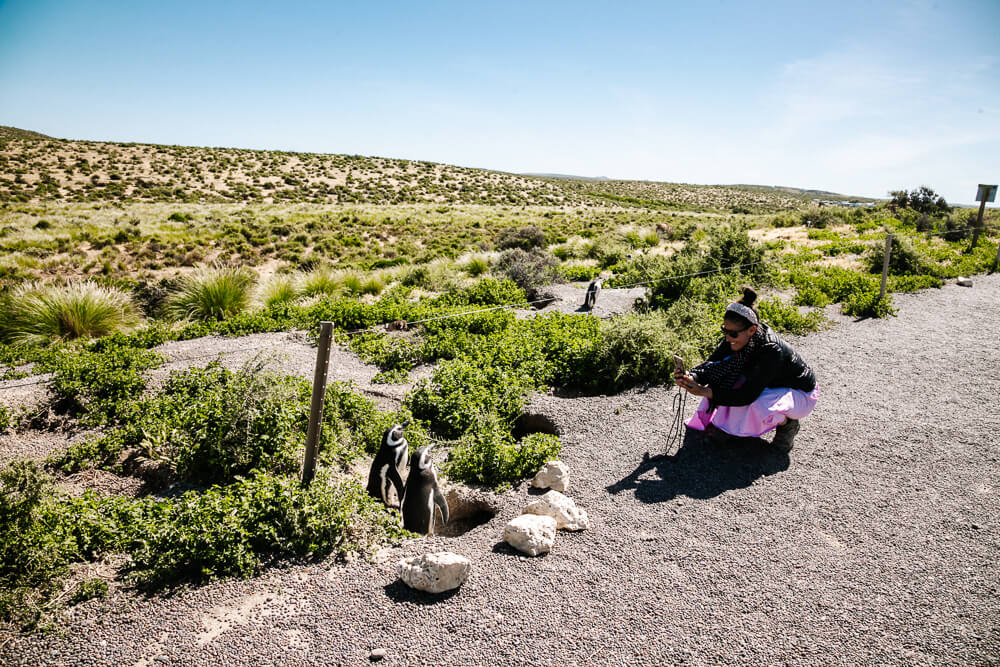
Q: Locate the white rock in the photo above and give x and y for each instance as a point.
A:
(964, 282)
(553, 475)
(531, 534)
(435, 572)
(561, 508)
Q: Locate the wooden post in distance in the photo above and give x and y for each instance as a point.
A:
(316, 407)
(885, 263)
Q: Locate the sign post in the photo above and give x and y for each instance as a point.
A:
(986, 193)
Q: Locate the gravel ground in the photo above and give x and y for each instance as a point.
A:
(875, 543)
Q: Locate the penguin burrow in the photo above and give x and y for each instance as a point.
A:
(388, 464)
(422, 495)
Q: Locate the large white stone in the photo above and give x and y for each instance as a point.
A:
(561, 508)
(435, 572)
(531, 534)
(553, 475)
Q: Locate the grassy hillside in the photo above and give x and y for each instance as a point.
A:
(34, 167)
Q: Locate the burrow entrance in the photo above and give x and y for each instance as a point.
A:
(468, 509)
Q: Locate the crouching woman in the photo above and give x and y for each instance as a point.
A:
(753, 383)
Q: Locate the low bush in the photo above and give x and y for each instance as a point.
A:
(904, 259)
(237, 529)
(211, 294)
(525, 238)
(579, 272)
(786, 318)
(101, 385)
(868, 304)
(212, 424)
(488, 454)
(35, 314)
(529, 270)
(229, 530)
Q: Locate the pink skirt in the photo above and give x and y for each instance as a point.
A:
(751, 421)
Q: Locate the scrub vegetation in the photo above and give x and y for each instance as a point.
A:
(110, 250)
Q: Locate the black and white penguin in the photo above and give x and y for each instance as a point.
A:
(388, 463)
(592, 291)
(422, 494)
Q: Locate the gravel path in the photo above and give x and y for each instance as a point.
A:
(877, 543)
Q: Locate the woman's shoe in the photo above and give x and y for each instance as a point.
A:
(784, 435)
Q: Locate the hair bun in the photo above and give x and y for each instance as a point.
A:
(749, 297)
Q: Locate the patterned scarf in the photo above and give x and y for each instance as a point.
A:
(724, 374)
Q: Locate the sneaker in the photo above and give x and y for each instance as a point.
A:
(784, 435)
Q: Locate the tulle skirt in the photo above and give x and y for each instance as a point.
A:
(750, 421)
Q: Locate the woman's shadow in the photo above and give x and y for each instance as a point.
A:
(702, 469)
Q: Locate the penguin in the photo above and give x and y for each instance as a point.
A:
(388, 463)
(592, 291)
(421, 494)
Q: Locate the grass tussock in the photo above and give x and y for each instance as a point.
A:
(212, 293)
(37, 314)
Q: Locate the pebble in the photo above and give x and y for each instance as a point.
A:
(377, 654)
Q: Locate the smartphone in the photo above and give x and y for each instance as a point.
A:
(679, 365)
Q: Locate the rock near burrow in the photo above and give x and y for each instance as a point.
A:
(531, 534)
(434, 572)
(561, 508)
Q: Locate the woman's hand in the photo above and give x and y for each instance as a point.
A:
(687, 382)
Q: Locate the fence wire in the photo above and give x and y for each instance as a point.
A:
(377, 328)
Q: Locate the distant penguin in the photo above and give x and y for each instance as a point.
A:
(388, 463)
(592, 291)
(422, 494)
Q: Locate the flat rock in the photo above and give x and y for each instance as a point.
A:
(553, 475)
(531, 534)
(435, 572)
(562, 509)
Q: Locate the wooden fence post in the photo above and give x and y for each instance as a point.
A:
(885, 263)
(316, 408)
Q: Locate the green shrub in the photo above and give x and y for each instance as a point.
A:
(235, 530)
(213, 424)
(487, 454)
(811, 296)
(211, 293)
(731, 246)
(579, 272)
(35, 314)
(868, 304)
(5, 419)
(904, 259)
(786, 318)
(637, 348)
(525, 238)
(101, 385)
(529, 270)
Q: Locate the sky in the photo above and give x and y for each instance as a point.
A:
(858, 98)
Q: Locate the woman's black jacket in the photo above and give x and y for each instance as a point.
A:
(773, 364)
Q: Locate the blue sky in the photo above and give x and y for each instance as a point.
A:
(854, 97)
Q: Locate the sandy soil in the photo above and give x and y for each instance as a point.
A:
(876, 542)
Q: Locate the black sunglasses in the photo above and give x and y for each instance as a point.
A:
(732, 334)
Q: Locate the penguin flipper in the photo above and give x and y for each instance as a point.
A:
(393, 476)
(441, 503)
